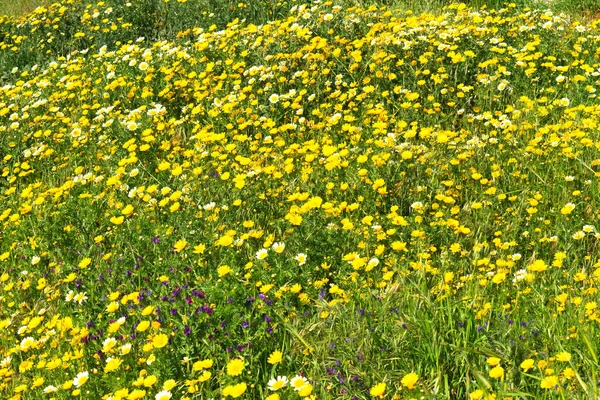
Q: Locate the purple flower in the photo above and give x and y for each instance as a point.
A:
(155, 240)
(187, 330)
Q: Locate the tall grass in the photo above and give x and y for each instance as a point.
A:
(20, 7)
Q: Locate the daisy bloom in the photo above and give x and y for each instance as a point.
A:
(278, 247)
(298, 382)
(262, 254)
(81, 379)
(301, 258)
(277, 383)
(50, 389)
(163, 395)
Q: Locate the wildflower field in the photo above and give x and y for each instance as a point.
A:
(298, 200)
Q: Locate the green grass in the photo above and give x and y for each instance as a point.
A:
(362, 197)
(20, 7)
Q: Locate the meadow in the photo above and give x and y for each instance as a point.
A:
(298, 200)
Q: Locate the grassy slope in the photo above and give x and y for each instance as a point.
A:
(422, 181)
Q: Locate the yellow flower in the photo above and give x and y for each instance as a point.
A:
(142, 326)
(378, 390)
(235, 367)
(136, 394)
(85, 262)
(493, 361)
(569, 373)
(200, 365)
(117, 220)
(538, 266)
(180, 245)
(567, 209)
(147, 311)
(306, 390)
(235, 390)
(409, 381)
(476, 395)
(549, 382)
(160, 340)
(127, 210)
(112, 364)
(224, 270)
(150, 380)
(527, 364)
(275, 357)
(563, 356)
(224, 241)
(497, 372)
(38, 382)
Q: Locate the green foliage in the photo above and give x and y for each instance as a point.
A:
(386, 197)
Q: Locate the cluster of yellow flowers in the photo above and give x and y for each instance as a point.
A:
(173, 215)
